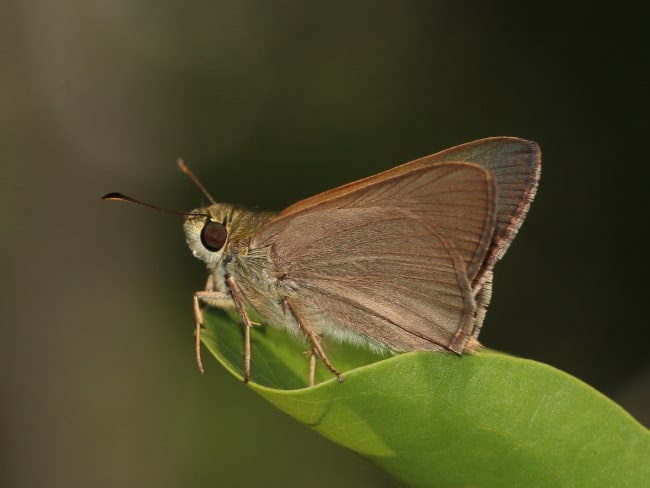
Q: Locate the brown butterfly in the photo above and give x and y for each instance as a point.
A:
(401, 260)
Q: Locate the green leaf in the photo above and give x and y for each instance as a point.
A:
(435, 419)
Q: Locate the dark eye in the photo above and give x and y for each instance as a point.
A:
(213, 236)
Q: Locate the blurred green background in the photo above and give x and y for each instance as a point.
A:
(270, 102)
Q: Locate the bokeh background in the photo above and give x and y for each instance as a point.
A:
(270, 102)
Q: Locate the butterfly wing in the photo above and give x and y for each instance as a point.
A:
(457, 200)
(379, 262)
(515, 164)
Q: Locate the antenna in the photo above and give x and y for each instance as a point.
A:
(119, 197)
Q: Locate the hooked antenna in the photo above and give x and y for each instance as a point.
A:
(184, 168)
(119, 197)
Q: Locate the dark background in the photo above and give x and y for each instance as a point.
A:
(270, 102)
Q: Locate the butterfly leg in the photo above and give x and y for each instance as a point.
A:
(239, 303)
(198, 320)
(208, 296)
(314, 340)
(311, 354)
(312, 368)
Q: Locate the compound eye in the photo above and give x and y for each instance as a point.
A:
(213, 236)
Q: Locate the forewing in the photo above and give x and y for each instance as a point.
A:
(456, 200)
(379, 272)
